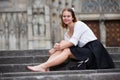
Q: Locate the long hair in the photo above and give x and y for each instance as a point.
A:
(73, 16)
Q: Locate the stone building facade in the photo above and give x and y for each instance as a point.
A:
(35, 24)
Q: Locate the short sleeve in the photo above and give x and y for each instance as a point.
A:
(79, 29)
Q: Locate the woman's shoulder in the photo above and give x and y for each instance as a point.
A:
(80, 23)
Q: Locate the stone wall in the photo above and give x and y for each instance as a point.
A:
(35, 24)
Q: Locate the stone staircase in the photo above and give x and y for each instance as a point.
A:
(13, 67)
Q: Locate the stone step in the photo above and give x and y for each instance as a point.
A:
(100, 74)
(37, 59)
(16, 61)
(22, 67)
(23, 59)
(19, 53)
(13, 67)
(115, 56)
(113, 49)
(117, 64)
(43, 52)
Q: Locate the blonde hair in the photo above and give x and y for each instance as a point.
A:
(73, 15)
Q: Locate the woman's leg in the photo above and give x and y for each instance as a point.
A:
(55, 59)
(38, 67)
(54, 55)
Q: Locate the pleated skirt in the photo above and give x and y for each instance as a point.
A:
(98, 56)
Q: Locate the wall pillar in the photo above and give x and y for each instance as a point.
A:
(102, 32)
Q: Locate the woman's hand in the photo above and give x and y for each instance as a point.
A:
(62, 45)
(51, 51)
(57, 46)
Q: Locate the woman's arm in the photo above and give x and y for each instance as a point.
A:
(62, 45)
(59, 46)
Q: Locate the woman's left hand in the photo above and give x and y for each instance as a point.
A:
(57, 46)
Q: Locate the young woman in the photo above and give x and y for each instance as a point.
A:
(79, 43)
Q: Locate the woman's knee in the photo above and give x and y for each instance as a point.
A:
(69, 53)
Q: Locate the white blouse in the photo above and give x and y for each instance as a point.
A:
(82, 34)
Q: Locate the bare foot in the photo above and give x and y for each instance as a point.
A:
(36, 68)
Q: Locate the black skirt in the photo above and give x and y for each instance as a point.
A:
(98, 56)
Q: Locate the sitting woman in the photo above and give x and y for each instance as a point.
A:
(79, 43)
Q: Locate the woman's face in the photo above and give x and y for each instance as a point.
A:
(67, 17)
